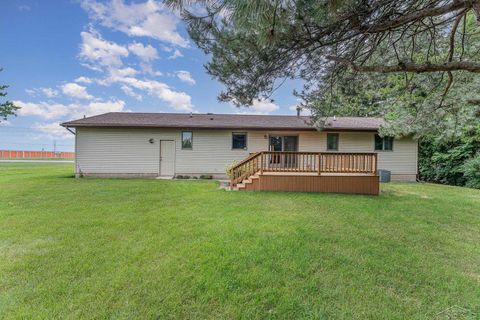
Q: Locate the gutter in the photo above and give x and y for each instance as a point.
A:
(118, 126)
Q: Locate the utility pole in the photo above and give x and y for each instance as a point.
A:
(54, 148)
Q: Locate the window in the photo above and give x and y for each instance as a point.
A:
(239, 140)
(378, 142)
(187, 140)
(383, 144)
(388, 143)
(332, 141)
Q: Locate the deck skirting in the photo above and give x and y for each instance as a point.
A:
(355, 184)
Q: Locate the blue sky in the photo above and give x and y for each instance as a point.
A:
(65, 59)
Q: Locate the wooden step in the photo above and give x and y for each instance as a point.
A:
(249, 180)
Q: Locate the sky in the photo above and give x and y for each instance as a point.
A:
(65, 59)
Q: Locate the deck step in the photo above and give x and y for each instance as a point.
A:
(249, 180)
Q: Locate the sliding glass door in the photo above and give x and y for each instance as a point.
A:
(290, 143)
(283, 143)
(276, 143)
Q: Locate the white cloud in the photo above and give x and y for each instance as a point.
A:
(145, 53)
(106, 56)
(124, 72)
(129, 92)
(263, 106)
(52, 131)
(114, 75)
(85, 80)
(76, 91)
(105, 106)
(31, 92)
(95, 50)
(176, 54)
(43, 109)
(125, 77)
(185, 76)
(177, 100)
(147, 68)
(148, 19)
(166, 49)
(47, 110)
(48, 92)
(4, 123)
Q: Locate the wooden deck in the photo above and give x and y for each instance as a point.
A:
(308, 172)
(355, 184)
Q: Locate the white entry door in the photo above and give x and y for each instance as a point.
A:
(167, 158)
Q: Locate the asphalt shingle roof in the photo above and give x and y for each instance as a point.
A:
(221, 121)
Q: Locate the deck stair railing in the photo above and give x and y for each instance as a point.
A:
(245, 168)
(303, 162)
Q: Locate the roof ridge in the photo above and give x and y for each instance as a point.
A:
(235, 114)
(209, 114)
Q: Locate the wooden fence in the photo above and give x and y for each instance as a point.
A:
(20, 154)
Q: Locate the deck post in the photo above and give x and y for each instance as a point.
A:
(261, 162)
(319, 162)
(375, 157)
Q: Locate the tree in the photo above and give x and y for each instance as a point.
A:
(414, 62)
(7, 108)
(256, 45)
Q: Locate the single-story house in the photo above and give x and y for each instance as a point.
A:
(123, 144)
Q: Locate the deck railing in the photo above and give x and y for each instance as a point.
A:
(348, 162)
(303, 162)
(246, 168)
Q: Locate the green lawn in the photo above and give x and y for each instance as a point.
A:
(116, 248)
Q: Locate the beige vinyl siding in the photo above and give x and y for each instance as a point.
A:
(402, 160)
(355, 142)
(312, 141)
(128, 151)
(211, 153)
(117, 151)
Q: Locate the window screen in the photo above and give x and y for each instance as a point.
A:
(388, 143)
(187, 140)
(332, 141)
(383, 144)
(239, 140)
(378, 142)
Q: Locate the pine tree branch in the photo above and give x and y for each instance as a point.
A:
(422, 14)
(411, 67)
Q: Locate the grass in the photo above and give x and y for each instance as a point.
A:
(117, 248)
